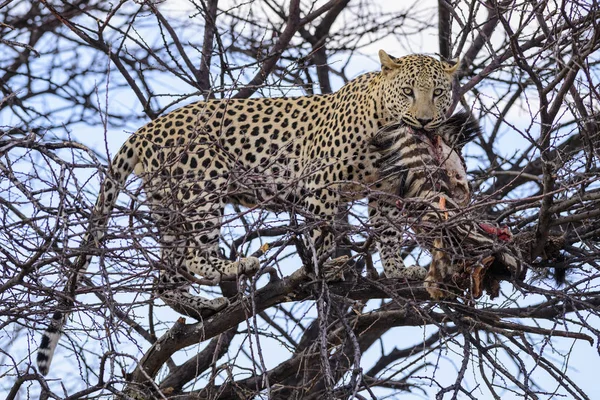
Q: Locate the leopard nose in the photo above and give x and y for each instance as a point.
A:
(424, 121)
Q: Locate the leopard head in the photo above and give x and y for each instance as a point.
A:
(416, 89)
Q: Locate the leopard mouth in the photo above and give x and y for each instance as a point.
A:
(430, 127)
(418, 128)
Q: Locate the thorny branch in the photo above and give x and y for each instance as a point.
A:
(529, 72)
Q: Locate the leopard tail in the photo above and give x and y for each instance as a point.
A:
(121, 167)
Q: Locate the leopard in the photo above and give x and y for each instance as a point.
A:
(314, 153)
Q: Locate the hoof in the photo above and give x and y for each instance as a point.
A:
(433, 288)
(438, 291)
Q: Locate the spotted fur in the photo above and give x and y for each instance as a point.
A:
(312, 152)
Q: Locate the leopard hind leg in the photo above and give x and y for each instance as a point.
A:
(190, 247)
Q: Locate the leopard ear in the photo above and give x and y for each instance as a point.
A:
(387, 62)
(451, 68)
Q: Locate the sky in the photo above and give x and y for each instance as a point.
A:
(582, 358)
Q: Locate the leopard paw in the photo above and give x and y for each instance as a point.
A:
(248, 266)
(333, 270)
(216, 304)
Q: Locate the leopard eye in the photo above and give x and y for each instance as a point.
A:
(407, 91)
(437, 92)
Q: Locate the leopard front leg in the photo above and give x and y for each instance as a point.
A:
(385, 218)
(320, 243)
